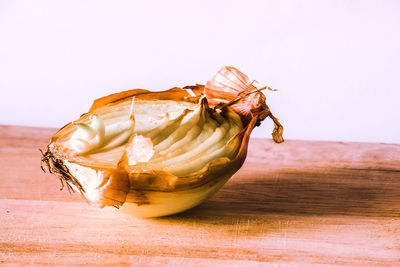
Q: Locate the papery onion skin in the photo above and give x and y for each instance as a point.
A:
(156, 193)
(231, 87)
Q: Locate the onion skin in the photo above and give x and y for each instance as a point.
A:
(114, 187)
(231, 87)
(141, 193)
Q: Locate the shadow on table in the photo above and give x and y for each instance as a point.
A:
(314, 192)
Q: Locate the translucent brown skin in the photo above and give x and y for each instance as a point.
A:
(114, 187)
(118, 182)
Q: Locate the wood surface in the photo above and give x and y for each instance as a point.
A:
(296, 203)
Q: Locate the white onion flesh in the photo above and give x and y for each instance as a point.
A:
(185, 136)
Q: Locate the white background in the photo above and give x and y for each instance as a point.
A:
(336, 63)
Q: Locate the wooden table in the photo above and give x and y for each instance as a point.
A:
(295, 203)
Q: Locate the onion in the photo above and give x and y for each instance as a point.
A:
(152, 154)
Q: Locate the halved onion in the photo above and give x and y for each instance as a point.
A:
(159, 153)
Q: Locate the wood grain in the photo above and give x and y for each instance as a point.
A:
(296, 203)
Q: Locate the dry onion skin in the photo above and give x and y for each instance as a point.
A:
(153, 154)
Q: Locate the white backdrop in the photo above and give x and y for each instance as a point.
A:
(336, 63)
